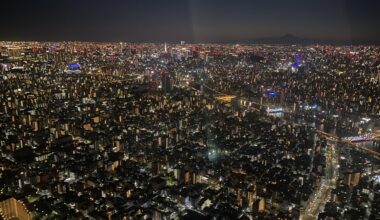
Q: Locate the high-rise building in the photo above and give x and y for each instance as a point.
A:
(14, 209)
(165, 82)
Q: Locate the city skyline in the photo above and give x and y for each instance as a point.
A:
(183, 131)
(189, 109)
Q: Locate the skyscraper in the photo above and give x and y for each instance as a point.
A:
(165, 82)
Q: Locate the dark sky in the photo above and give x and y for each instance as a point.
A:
(189, 20)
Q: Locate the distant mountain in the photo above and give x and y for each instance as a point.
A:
(289, 39)
(285, 39)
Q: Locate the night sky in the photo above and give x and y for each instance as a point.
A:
(189, 20)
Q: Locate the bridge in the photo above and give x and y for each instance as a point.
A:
(350, 143)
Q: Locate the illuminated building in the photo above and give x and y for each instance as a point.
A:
(14, 209)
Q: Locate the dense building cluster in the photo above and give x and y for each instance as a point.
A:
(158, 131)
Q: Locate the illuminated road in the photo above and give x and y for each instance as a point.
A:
(322, 195)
